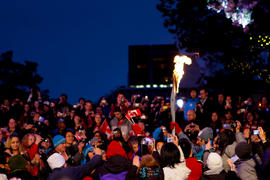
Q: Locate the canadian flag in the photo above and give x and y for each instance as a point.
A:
(105, 128)
(133, 113)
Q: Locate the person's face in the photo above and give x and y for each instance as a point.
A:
(228, 116)
(26, 108)
(97, 135)
(46, 108)
(228, 99)
(191, 115)
(61, 147)
(69, 137)
(81, 102)
(45, 144)
(36, 104)
(72, 113)
(120, 97)
(264, 101)
(200, 141)
(15, 143)
(88, 106)
(250, 117)
(99, 110)
(97, 119)
(6, 102)
(46, 122)
(246, 133)
(118, 115)
(116, 134)
(61, 126)
(142, 126)
(77, 119)
(12, 124)
(193, 94)
(135, 147)
(220, 98)
(31, 140)
(91, 154)
(203, 94)
(214, 116)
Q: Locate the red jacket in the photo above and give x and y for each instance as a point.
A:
(195, 167)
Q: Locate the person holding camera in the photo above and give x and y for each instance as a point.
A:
(119, 121)
(60, 170)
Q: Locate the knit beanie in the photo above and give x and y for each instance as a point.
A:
(214, 161)
(87, 149)
(17, 162)
(206, 133)
(243, 150)
(56, 160)
(115, 149)
(57, 140)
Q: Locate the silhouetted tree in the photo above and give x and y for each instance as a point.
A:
(16, 78)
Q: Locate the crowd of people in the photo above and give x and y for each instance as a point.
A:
(215, 136)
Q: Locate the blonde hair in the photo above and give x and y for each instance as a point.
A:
(25, 140)
(8, 143)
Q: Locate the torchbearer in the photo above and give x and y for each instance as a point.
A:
(178, 73)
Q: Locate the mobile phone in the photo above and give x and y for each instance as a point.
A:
(256, 132)
(234, 158)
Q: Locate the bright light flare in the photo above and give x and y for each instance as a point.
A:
(178, 71)
(180, 103)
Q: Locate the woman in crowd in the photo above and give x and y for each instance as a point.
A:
(13, 145)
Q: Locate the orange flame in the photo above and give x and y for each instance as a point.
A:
(178, 71)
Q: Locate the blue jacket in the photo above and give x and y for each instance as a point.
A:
(190, 105)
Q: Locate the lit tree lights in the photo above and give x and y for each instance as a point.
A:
(239, 11)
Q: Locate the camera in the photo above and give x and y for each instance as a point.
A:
(169, 140)
(233, 125)
(256, 132)
(147, 141)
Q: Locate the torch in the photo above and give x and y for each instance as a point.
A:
(178, 73)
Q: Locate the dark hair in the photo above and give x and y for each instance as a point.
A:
(117, 109)
(170, 155)
(186, 147)
(227, 137)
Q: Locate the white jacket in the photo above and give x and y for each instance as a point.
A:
(179, 172)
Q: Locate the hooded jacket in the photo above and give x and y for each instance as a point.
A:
(247, 169)
(117, 164)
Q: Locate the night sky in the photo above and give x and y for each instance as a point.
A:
(81, 46)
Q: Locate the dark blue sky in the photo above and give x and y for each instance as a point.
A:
(81, 46)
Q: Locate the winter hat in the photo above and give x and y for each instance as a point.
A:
(243, 150)
(214, 161)
(57, 140)
(17, 162)
(206, 133)
(56, 160)
(87, 149)
(115, 149)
